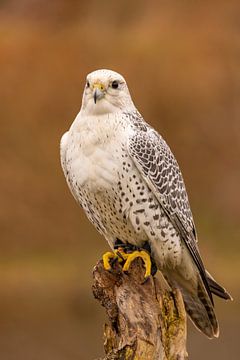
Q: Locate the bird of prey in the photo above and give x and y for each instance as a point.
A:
(125, 177)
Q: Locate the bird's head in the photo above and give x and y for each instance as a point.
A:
(105, 92)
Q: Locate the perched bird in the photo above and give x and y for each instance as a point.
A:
(124, 175)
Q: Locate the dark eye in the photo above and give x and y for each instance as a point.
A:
(87, 84)
(115, 84)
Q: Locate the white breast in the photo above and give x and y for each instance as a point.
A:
(90, 151)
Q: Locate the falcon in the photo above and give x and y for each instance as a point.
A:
(125, 177)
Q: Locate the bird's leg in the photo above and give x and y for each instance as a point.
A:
(144, 255)
(126, 252)
(126, 249)
(110, 257)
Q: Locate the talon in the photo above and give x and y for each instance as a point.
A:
(144, 256)
(110, 257)
(106, 259)
(120, 255)
(145, 280)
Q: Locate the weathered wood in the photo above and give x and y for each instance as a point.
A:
(147, 322)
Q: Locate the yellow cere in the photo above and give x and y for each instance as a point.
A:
(98, 86)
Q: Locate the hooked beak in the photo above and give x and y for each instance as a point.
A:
(98, 92)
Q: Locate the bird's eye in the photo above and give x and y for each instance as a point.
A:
(87, 84)
(115, 84)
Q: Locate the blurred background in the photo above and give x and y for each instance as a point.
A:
(182, 63)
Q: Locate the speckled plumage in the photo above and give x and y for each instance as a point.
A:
(123, 174)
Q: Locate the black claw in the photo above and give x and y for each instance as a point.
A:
(119, 255)
(113, 261)
(154, 268)
(145, 280)
(146, 247)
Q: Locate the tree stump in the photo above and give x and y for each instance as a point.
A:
(146, 321)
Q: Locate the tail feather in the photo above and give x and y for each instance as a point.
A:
(204, 299)
(197, 302)
(217, 289)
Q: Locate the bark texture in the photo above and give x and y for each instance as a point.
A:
(146, 321)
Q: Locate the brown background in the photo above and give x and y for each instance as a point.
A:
(182, 63)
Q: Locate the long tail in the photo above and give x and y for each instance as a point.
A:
(197, 301)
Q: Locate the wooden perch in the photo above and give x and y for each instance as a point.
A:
(147, 322)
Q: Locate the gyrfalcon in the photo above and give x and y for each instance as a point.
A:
(125, 177)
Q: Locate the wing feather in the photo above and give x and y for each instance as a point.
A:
(160, 170)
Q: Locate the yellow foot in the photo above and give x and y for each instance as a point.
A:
(120, 255)
(144, 256)
(110, 256)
